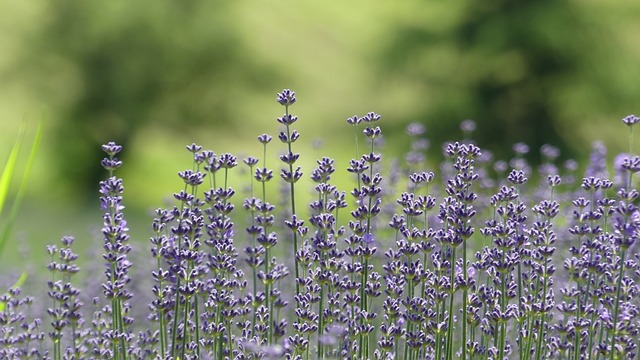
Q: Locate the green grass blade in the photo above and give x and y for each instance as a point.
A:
(6, 230)
(9, 168)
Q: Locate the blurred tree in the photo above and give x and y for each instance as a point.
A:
(113, 68)
(502, 63)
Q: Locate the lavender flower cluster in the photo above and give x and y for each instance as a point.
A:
(472, 261)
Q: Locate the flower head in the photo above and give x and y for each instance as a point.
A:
(286, 97)
(521, 148)
(630, 120)
(250, 161)
(415, 129)
(371, 117)
(287, 119)
(368, 238)
(111, 148)
(468, 126)
(354, 120)
(194, 148)
(264, 138)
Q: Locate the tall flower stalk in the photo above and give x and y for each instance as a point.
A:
(323, 240)
(627, 231)
(116, 248)
(287, 98)
(162, 289)
(456, 212)
(65, 311)
(368, 200)
(543, 238)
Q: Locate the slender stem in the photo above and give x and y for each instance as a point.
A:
(503, 305)
(617, 305)
(320, 324)
(355, 131)
(576, 354)
(464, 300)
(544, 298)
(174, 330)
(185, 327)
(293, 207)
(451, 314)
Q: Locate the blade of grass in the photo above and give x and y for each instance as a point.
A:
(23, 183)
(9, 168)
(5, 181)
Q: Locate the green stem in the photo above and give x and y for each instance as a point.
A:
(174, 328)
(320, 324)
(293, 209)
(451, 314)
(617, 305)
(576, 354)
(185, 327)
(163, 336)
(197, 320)
(542, 317)
(464, 300)
(502, 322)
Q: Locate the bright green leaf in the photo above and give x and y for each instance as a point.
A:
(6, 230)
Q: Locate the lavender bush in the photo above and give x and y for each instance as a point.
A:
(471, 260)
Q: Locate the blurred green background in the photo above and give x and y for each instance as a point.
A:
(156, 75)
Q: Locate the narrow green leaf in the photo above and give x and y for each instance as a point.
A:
(21, 280)
(6, 230)
(9, 168)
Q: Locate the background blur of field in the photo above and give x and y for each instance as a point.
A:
(159, 75)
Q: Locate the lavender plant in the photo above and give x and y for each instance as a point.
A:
(117, 266)
(516, 265)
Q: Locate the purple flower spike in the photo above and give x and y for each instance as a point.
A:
(354, 120)
(116, 248)
(111, 164)
(193, 178)
(368, 238)
(415, 129)
(286, 97)
(194, 148)
(228, 161)
(371, 117)
(521, 148)
(630, 120)
(468, 126)
(264, 138)
(250, 161)
(550, 152)
(287, 119)
(111, 148)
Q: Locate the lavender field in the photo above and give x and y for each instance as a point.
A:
(477, 258)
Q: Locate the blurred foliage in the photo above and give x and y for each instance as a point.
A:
(152, 72)
(125, 65)
(154, 75)
(509, 65)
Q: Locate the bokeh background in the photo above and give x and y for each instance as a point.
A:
(157, 75)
